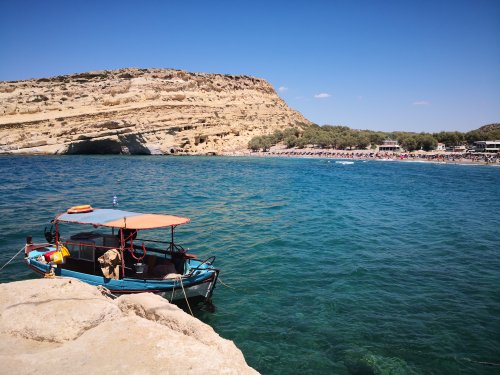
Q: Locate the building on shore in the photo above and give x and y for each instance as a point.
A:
(389, 146)
(441, 147)
(459, 148)
(487, 146)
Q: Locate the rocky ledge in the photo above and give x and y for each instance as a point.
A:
(139, 111)
(61, 326)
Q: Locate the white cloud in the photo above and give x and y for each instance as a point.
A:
(283, 89)
(421, 102)
(322, 95)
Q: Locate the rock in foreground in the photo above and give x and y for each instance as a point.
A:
(62, 326)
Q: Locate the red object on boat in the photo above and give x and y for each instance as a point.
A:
(48, 254)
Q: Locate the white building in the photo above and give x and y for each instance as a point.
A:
(487, 146)
(389, 145)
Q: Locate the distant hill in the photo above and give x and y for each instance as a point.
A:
(490, 128)
(489, 132)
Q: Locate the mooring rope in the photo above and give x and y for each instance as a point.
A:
(173, 291)
(185, 296)
(11, 259)
(223, 283)
(481, 362)
(105, 291)
(450, 358)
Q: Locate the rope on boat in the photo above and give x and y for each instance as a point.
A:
(185, 296)
(11, 259)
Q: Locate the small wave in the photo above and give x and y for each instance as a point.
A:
(344, 162)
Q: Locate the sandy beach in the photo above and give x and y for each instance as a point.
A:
(417, 156)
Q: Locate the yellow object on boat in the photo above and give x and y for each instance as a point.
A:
(64, 251)
(58, 256)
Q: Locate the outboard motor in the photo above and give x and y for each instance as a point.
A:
(50, 235)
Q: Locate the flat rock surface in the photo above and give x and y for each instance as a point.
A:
(62, 326)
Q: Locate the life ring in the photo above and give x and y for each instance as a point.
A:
(80, 209)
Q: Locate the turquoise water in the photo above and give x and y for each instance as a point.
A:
(367, 268)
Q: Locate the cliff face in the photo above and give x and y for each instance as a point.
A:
(61, 326)
(139, 111)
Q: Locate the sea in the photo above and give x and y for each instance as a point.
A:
(372, 267)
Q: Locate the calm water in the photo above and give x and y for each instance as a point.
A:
(373, 267)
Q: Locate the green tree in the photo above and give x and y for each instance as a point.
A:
(267, 142)
(301, 142)
(277, 136)
(255, 143)
(409, 143)
(426, 142)
(450, 138)
(290, 141)
(291, 131)
(377, 138)
(362, 141)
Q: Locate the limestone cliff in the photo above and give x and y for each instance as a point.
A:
(139, 111)
(62, 326)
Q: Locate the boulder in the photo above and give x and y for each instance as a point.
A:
(61, 326)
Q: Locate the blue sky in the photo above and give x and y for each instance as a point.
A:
(382, 65)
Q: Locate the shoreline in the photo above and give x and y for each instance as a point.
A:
(311, 153)
(365, 155)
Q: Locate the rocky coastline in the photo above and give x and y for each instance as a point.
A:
(62, 326)
(139, 111)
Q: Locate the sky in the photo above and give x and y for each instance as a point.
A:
(381, 65)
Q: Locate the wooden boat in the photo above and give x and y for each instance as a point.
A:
(110, 254)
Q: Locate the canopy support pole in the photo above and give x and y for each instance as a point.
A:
(172, 239)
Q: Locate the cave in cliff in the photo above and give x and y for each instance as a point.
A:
(127, 144)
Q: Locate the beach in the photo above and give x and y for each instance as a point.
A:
(418, 156)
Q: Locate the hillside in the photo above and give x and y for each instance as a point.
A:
(139, 111)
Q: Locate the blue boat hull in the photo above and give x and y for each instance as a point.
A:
(198, 286)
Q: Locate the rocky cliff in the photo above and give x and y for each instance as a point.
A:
(139, 111)
(62, 326)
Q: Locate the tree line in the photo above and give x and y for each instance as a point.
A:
(343, 137)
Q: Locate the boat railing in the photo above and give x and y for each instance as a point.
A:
(28, 248)
(87, 244)
(171, 248)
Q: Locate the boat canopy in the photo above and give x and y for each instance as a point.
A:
(121, 219)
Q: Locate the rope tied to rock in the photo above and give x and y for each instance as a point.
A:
(11, 259)
(177, 276)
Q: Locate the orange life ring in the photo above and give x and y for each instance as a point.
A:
(80, 209)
